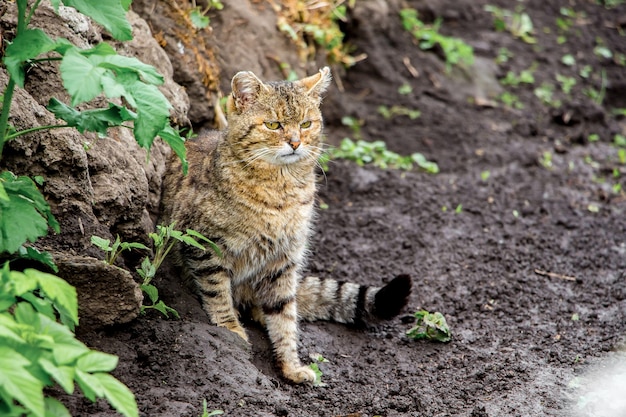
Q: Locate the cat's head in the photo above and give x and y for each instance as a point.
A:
(279, 123)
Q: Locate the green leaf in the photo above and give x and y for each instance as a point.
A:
(25, 216)
(58, 290)
(19, 383)
(95, 361)
(68, 353)
(64, 375)
(177, 143)
(109, 13)
(120, 63)
(26, 46)
(103, 244)
(200, 236)
(152, 291)
(89, 385)
(432, 326)
(118, 395)
(192, 242)
(54, 408)
(152, 112)
(81, 75)
(95, 120)
(28, 252)
(198, 19)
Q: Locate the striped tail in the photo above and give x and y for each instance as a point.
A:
(346, 302)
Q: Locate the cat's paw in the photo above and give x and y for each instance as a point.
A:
(237, 329)
(299, 374)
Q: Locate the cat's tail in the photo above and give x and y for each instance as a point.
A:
(346, 302)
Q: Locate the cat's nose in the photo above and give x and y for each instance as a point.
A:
(294, 142)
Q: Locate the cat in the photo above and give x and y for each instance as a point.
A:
(251, 189)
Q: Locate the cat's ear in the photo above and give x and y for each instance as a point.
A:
(316, 85)
(246, 87)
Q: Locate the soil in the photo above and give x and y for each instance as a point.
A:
(519, 241)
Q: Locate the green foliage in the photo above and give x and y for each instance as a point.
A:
(431, 326)
(567, 83)
(376, 153)
(164, 240)
(455, 50)
(24, 213)
(524, 77)
(198, 16)
(38, 352)
(114, 250)
(317, 359)
(393, 111)
(206, 413)
(89, 73)
(518, 23)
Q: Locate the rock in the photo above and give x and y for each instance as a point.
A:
(106, 294)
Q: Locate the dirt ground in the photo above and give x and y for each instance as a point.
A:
(520, 241)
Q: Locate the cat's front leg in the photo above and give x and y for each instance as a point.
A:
(214, 288)
(278, 304)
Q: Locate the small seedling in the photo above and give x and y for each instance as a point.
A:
(545, 93)
(393, 111)
(546, 160)
(456, 51)
(511, 100)
(376, 153)
(518, 23)
(431, 326)
(317, 359)
(113, 251)
(207, 413)
(405, 89)
(484, 176)
(593, 137)
(459, 209)
(526, 77)
(568, 59)
(585, 71)
(354, 124)
(567, 83)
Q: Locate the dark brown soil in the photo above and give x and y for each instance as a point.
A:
(527, 265)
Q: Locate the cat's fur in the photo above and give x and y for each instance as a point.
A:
(251, 189)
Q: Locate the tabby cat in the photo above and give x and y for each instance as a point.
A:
(251, 189)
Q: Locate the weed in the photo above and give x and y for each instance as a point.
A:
(456, 51)
(393, 111)
(198, 16)
(525, 77)
(593, 137)
(518, 23)
(585, 71)
(619, 140)
(354, 124)
(545, 93)
(597, 95)
(405, 89)
(431, 326)
(164, 240)
(511, 100)
(113, 251)
(568, 60)
(458, 209)
(484, 175)
(207, 413)
(546, 159)
(316, 24)
(376, 153)
(317, 359)
(567, 83)
(503, 55)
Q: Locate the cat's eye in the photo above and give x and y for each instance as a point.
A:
(272, 125)
(305, 125)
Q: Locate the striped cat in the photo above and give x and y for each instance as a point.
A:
(251, 189)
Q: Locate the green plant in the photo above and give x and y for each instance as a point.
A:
(545, 93)
(456, 51)
(568, 59)
(518, 23)
(431, 326)
(354, 124)
(511, 100)
(111, 252)
(524, 77)
(36, 351)
(376, 153)
(597, 95)
(567, 83)
(198, 15)
(546, 159)
(207, 413)
(393, 111)
(317, 359)
(88, 73)
(164, 240)
(503, 55)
